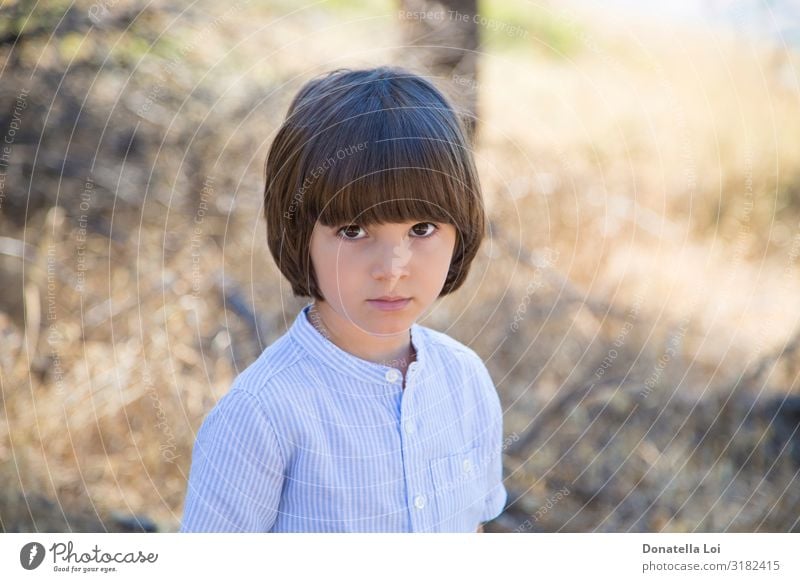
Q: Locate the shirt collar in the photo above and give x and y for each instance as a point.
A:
(328, 353)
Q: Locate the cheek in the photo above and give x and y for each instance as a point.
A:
(439, 253)
(323, 257)
(336, 259)
(431, 264)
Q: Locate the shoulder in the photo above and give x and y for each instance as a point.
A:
(441, 342)
(277, 365)
(451, 350)
(470, 379)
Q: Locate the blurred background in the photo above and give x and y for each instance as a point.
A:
(637, 301)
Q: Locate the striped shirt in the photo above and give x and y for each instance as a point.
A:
(311, 438)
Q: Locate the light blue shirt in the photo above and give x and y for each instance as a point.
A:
(311, 438)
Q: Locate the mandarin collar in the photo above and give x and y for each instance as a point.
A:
(328, 353)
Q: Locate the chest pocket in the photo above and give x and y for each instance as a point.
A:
(460, 485)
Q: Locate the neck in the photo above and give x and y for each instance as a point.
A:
(395, 350)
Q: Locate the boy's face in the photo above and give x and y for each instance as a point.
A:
(356, 265)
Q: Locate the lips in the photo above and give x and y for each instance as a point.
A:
(391, 304)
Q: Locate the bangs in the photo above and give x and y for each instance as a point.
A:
(390, 172)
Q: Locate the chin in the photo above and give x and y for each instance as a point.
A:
(389, 323)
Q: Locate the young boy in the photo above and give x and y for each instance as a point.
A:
(358, 419)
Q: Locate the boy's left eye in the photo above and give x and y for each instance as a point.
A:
(420, 230)
(424, 231)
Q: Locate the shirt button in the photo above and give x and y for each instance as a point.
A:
(411, 428)
(419, 501)
(392, 376)
(467, 465)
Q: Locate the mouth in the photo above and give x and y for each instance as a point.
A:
(390, 298)
(387, 303)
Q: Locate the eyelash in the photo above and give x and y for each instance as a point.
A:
(344, 238)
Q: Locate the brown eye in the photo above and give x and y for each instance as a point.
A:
(424, 229)
(349, 232)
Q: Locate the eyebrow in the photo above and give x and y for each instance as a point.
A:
(409, 223)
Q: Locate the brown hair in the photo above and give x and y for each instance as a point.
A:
(369, 146)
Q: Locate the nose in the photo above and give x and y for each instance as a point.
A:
(392, 260)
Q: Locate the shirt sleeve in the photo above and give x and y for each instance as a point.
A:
(237, 470)
(496, 495)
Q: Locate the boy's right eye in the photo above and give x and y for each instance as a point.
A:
(349, 232)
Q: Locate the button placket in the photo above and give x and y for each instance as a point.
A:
(417, 486)
(392, 375)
